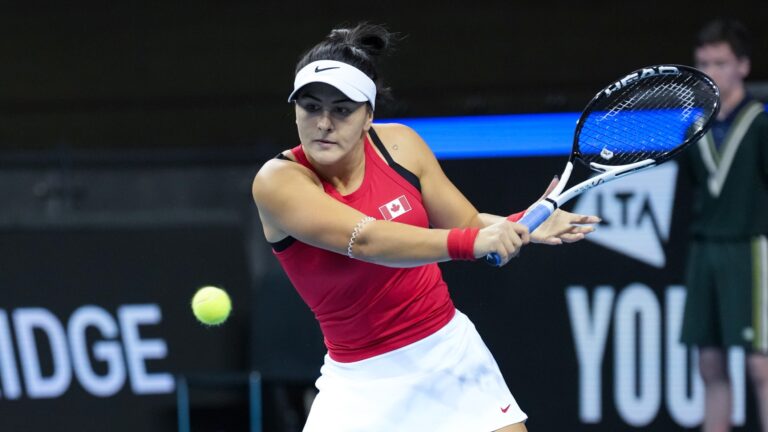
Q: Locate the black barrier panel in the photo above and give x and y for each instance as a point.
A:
(107, 313)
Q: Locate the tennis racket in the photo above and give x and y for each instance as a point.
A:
(642, 120)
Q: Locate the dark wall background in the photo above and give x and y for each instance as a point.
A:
(130, 132)
(140, 74)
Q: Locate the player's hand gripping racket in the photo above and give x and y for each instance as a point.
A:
(638, 122)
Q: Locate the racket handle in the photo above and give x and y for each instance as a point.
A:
(532, 219)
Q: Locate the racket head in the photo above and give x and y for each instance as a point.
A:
(651, 113)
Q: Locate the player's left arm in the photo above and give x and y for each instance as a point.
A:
(447, 207)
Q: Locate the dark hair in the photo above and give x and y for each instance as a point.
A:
(729, 31)
(358, 46)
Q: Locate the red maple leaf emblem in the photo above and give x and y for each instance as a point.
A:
(394, 208)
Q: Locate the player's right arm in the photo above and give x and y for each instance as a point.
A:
(291, 202)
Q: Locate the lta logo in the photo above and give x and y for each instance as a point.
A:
(636, 212)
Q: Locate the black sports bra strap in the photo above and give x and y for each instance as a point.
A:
(404, 173)
(380, 145)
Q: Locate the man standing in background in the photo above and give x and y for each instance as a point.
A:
(727, 271)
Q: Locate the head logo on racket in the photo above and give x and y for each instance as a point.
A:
(645, 72)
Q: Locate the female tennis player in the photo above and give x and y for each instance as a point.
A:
(358, 215)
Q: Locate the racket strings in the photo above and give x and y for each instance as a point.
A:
(641, 123)
(642, 119)
(646, 119)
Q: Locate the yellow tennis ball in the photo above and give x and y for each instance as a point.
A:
(211, 305)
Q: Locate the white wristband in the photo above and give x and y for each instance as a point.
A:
(356, 232)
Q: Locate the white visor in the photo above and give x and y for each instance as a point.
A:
(349, 80)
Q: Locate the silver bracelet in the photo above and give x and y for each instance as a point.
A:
(356, 232)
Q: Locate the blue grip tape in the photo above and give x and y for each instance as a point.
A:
(536, 216)
(532, 220)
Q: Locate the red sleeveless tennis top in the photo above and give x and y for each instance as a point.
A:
(367, 309)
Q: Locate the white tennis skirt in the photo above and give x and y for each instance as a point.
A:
(447, 381)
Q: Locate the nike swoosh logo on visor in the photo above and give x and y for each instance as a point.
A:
(319, 69)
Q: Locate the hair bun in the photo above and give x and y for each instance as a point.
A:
(371, 38)
(359, 46)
